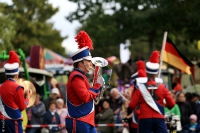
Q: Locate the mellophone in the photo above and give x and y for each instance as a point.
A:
(98, 63)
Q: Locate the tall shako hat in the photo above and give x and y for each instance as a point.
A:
(12, 66)
(142, 74)
(84, 45)
(152, 66)
(140, 66)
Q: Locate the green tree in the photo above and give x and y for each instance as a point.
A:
(7, 30)
(141, 21)
(32, 26)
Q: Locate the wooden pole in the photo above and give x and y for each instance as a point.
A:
(162, 53)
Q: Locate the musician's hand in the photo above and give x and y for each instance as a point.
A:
(28, 93)
(100, 80)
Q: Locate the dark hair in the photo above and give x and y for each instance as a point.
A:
(75, 65)
(151, 75)
(188, 96)
(52, 102)
(10, 76)
(195, 95)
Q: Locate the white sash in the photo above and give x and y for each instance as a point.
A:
(148, 98)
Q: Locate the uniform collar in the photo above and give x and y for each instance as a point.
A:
(79, 70)
(11, 79)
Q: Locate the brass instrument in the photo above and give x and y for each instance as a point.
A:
(99, 62)
(28, 86)
(99, 97)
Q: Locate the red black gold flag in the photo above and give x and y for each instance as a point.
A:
(175, 58)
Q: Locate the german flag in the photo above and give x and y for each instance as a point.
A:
(175, 58)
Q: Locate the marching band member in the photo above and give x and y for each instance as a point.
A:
(150, 93)
(135, 113)
(12, 98)
(80, 96)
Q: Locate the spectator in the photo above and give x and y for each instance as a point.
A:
(35, 114)
(115, 103)
(125, 116)
(195, 100)
(176, 87)
(184, 107)
(62, 112)
(192, 126)
(174, 111)
(128, 116)
(55, 94)
(105, 117)
(52, 117)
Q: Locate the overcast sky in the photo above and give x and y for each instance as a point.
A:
(60, 23)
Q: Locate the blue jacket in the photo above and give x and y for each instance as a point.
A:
(187, 128)
(48, 118)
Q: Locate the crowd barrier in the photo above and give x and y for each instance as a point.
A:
(58, 125)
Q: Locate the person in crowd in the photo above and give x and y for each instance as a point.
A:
(13, 98)
(125, 116)
(52, 117)
(35, 114)
(105, 117)
(80, 95)
(62, 112)
(175, 110)
(127, 113)
(176, 87)
(193, 126)
(150, 93)
(196, 109)
(184, 107)
(173, 114)
(115, 103)
(55, 94)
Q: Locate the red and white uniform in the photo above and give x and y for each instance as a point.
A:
(12, 100)
(80, 95)
(145, 110)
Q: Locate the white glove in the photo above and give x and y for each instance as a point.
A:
(100, 80)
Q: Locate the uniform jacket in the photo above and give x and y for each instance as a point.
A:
(145, 110)
(80, 97)
(12, 100)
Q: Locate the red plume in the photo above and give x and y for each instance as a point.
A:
(83, 40)
(140, 65)
(155, 57)
(142, 73)
(13, 57)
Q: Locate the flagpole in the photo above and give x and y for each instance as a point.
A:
(162, 53)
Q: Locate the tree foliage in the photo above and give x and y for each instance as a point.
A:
(7, 30)
(32, 26)
(110, 22)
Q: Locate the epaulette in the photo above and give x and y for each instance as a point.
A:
(158, 80)
(141, 80)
